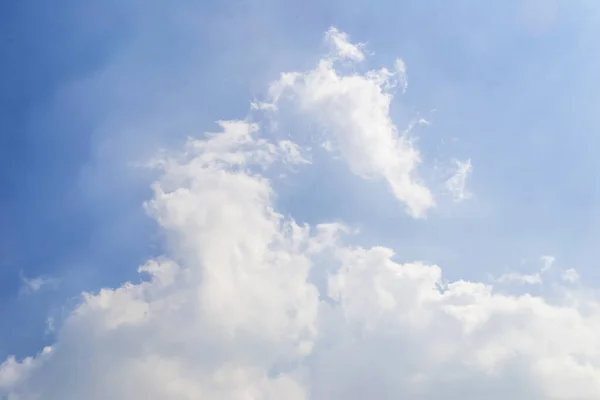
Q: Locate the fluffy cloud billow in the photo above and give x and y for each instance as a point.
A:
(355, 110)
(231, 311)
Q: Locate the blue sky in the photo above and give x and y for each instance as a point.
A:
(91, 89)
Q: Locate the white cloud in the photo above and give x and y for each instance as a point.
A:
(258, 105)
(231, 312)
(354, 111)
(457, 183)
(342, 47)
(515, 277)
(570, 275)
(528, 279)
(238, 318)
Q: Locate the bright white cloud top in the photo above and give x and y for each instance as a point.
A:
(355, 110)
(232, 312)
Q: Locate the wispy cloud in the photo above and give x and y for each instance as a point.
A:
(32, 285)
(515, 277)
(570, 275)
(547, 262)
(457, 183)
(528, 279)
(342, 47)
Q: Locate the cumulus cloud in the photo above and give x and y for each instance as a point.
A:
(354, 110)
(232, 311)
(457, 183)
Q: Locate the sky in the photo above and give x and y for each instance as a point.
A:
(316, 200)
